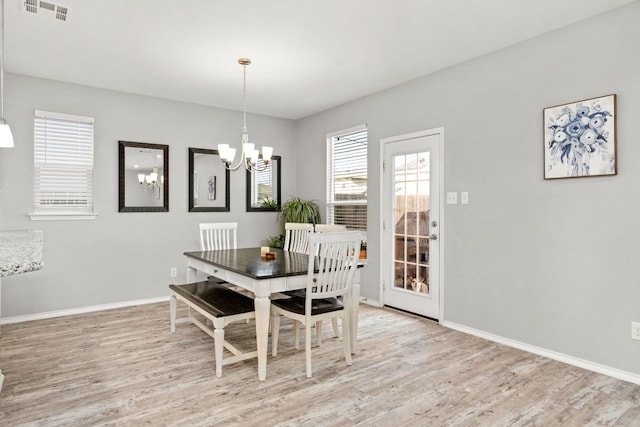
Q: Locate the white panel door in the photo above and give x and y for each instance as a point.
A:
(411, 222)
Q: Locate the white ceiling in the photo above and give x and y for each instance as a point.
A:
(307, 56)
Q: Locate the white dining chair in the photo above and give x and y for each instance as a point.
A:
(329, 228)
(337, 259)
(218, 235)
(296, 237)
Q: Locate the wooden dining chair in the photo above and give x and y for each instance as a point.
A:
(336, 262)
(218, 235)
(296, 237)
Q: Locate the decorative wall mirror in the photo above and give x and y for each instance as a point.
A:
(143, 178)
(209, 182)
(263, 188)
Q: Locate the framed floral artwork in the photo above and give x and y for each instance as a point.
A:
(580, 138)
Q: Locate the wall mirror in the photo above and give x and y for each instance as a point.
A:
(143, 178)
(263, 187)
(209, 182)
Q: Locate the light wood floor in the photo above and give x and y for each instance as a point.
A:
(124, 367)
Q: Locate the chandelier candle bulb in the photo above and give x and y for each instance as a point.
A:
(222, 151)
(267, 152)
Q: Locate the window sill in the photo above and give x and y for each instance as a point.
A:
(61, 216)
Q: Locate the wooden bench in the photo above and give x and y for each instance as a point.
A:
(221, 306)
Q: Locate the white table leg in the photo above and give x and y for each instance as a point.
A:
(173, 308)
(263, 307)
(355, 299)
(191, 270)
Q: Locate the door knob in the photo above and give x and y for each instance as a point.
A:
(433, 237)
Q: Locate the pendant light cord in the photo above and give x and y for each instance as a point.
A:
(244, 100)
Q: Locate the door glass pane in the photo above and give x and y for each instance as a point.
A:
(399, 248)
(422, 284)
(411, 277)
(423, 251)
(411, 216)
(410, 167)
(412, 249)
(411, 197)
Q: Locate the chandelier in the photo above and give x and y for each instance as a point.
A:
(249, 155)
(151, 180)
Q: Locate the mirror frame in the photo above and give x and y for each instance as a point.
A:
(278, 189)
(227, 184)
(121, 177)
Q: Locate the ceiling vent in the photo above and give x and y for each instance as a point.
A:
(48, 9)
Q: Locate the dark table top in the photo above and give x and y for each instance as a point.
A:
(248, 262)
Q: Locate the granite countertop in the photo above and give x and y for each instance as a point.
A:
(20, 251)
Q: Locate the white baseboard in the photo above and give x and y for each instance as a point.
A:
(370, 302)
(570, 360)
(80, 310)
(90, 309)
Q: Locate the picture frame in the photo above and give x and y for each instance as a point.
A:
(209, 182)
(136, 162)
(580, 139)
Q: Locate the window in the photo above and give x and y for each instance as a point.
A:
(63, 166)
(347, 178)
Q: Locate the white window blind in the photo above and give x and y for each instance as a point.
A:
(63, 164)
(262, 183)
(347, 178)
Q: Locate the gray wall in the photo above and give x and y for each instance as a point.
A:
(122, 256)
(548, 263)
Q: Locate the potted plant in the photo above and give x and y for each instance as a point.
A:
(297, 210)
(294, 210)
(268, 202)
(276, 241)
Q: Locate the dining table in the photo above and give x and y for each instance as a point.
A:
(265, 277)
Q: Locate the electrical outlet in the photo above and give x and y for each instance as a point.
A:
(635, 330)
(174, 272)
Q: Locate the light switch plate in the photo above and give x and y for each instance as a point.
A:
(452, 198)
(464, 197)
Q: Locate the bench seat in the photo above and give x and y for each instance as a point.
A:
(217, 299)
(221, 306)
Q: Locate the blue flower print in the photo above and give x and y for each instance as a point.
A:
(582, 111)
(574, 128)
(597, 121)
(576, 136)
